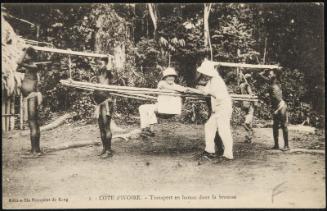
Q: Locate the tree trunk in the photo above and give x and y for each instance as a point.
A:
(119, 57)
(154, 18)
(126, 136)
(52, 125)
(206, 25)
(207, 42)
(265, 51)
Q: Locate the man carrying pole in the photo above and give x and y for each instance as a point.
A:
(247, 107)
(33, 97)
(279, 108)
(104, 108)
(219, 120)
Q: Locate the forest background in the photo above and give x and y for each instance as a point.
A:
(145, 39)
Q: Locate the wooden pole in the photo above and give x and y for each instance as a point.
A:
(8, 102)
(238, 76)
(113, 87)
(144, 92)
(244, 65)
(113, 91)
(77, 53)
(12, 111)
(3, 112)
(169, 57)
(10, 115)
(37, 32)
(21, 114)
(265, 51)
(125, 89)
(70, 66)
(34, 42)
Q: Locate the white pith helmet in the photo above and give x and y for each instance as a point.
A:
(169, 71)
(207, 68)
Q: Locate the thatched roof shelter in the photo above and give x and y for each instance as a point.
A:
(13, 51)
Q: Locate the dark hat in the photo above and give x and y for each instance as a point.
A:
(105, 59)
(31, 53)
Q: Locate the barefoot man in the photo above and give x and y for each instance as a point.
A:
(279, 108)
(247, 107)
(104, 107)
(33, 97)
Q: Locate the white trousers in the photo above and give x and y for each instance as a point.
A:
(219, 121)
(148, 114)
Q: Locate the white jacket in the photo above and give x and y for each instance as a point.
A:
(220, 98)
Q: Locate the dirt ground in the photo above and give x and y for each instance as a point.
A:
(162, 171)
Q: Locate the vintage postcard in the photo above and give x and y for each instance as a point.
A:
(163, 105)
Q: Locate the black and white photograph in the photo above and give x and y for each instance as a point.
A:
(163, 105)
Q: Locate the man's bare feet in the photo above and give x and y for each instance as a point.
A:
(107, 154)
(38, 153)
(32, 154)
(275, 148)
(286, 148)
(102, 152)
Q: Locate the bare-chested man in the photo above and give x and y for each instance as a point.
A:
(279, 108)
(34, 98)
(104, 108)
(247, 107)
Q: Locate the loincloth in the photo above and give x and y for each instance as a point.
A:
(39, 98)
(106, 104)
(282, 104)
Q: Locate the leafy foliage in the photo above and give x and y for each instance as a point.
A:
(288, 34)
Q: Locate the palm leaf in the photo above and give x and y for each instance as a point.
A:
(13, 52)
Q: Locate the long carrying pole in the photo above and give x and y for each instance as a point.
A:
(126, 89)
(135, 92)
(70, 52)
(244, 65)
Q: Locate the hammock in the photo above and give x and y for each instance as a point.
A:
(145, 93)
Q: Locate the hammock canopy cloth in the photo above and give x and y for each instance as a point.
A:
(144, 93)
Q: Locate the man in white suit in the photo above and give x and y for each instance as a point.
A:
(219, 120)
